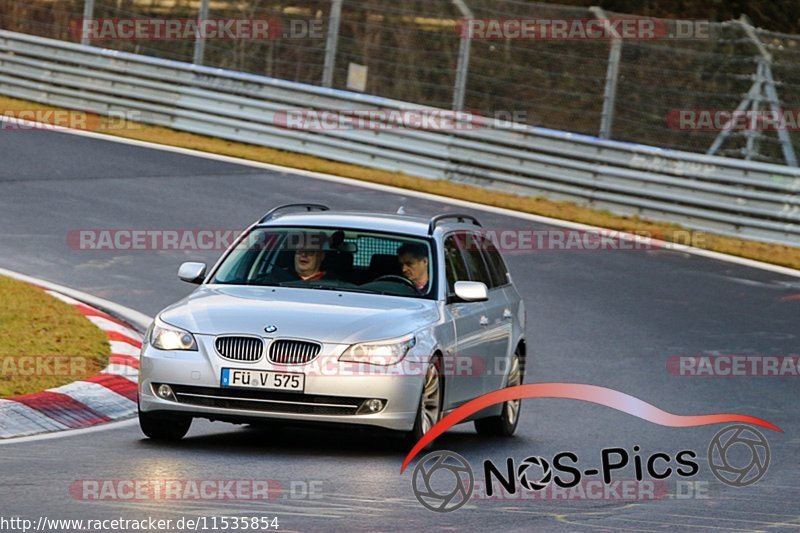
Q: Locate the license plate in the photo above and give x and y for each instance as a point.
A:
(263, 379)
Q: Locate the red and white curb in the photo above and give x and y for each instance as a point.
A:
(105, 397)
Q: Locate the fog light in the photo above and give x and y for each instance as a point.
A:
(371, 406)
(164, 392)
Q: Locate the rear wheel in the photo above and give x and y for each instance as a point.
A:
(164, 427)
(506, 423)
(430, 405)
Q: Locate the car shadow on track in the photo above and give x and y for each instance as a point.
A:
(287, 440)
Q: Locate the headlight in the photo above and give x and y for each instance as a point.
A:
(387, 352)
(166, 337)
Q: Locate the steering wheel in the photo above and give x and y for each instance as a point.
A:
(393, 277)
(276, 276)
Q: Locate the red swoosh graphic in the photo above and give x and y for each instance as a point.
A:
(587, 393)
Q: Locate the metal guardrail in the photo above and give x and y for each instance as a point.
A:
(726, 196)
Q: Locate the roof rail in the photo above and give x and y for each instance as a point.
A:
(460, 216)
(309, 207)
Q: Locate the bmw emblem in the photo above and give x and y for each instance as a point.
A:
(271, 328)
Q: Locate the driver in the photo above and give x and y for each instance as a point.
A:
(413, 260)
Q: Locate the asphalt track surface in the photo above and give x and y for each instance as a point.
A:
(609, 318)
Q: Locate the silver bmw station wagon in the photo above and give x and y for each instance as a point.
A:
(349, 318)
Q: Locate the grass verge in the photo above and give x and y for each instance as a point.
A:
(769, 253)
(44, 342)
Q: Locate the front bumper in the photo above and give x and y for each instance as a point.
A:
(333, 393)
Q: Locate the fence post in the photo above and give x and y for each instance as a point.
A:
(612, 75)
(199, 39)
(769, 88)
(462, 68)
(764, 84)
(332, 43)
(88, 13)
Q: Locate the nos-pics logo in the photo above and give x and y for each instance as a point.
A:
(444, 481)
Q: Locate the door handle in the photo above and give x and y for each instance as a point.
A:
(507, 314)
(484, 321)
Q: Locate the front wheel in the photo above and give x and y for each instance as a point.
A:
(506, 423)
(430, 404)
(163, 427)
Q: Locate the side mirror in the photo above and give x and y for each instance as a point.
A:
(192, 272)
(471, 291)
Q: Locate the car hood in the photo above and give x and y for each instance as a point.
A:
(326, 316)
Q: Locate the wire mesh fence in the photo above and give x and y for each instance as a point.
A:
(411, 51)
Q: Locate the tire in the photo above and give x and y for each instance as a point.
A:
(430, 402)
(166, 428)
(505, 424)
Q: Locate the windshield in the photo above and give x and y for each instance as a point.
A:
(332, 259)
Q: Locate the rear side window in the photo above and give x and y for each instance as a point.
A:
(497, 267)
(471, 252)
(455, 267)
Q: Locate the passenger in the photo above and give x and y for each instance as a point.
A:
(307, 264)
(308, 258)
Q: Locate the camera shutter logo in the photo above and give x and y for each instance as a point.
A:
(544, 479)
(729, 445)
(454, 481)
